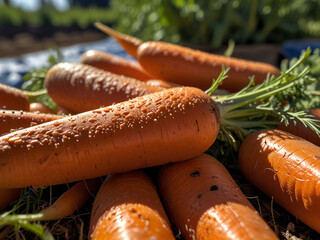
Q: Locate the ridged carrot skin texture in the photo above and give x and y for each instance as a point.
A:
(7, 196)
(302, 131)
(79, 88)
(166, 126)
(129, 43)
(40, 108)
(204, 202)
(127, 206)
(114, 64)
(287, 168)
(12, 98)
(72, 200)
(195, 68)
(15, 120)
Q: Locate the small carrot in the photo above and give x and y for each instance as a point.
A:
(11, 120)
(40, 108)
(7, 196)
(114, 64)
(79, 88)
(129, 43)
(284, 167)
(204, 202)
(127, 206)
(12, 98)
(166, 126)
(300, 130)
(195, 68)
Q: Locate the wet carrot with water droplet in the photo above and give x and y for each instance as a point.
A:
(12, 98)
(115, 64)
(204, 202)
(11, 120)
(79, 88)
(167, 126)
(287, 168)
(127, 206)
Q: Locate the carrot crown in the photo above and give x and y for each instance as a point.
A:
(277, 99)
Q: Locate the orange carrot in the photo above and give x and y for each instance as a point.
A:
(114, 64)
(286, 168)
(161, 83)
(79, 88)
(127, 206)
(72, 200)
(204, 202)
(7, 196)
(167, 126)
(129, 43)
(190, 67)
(13, 120)
(13, 98)
(40, 108)
(302, 131)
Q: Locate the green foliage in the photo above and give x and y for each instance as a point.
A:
(33, 81)
(214, 23)
(49, 16)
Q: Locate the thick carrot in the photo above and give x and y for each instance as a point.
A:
(15, 120)
(284, 167)
(127, 206)
(40, 108)
(129, 43)
(167, 126)
(13, 98)
(7, 196)
(79, 88)
(301, 130)
(190, 67)
(114, 64)
(204, 202)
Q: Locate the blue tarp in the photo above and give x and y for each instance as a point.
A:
(13, 69)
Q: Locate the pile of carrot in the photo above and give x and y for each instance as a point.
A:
(128, 116)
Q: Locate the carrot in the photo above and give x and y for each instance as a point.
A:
(40, 108)
(161, 83)
(190, 67)
(114, 64)
(13, 98)
(284, 167)
(129, 43)
(166, 126)
(78, 87)
(204, 202)
(127, 206)
(7, 196)
(13, 120)
(301, 130)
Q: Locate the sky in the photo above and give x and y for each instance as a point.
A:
(31, 5)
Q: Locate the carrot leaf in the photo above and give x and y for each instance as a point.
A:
(277, 99)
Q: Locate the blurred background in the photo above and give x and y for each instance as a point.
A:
(258, 28)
